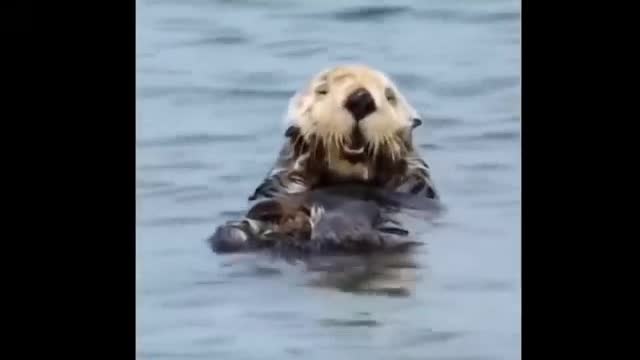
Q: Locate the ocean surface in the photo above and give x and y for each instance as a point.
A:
(213, 80)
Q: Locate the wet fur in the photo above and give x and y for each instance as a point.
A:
(292, 206)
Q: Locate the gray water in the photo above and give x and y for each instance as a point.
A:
(213, 80)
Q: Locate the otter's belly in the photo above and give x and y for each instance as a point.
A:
(343, 219)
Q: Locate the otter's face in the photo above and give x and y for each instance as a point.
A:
(354, 113)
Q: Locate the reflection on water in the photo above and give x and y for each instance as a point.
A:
(213, 80)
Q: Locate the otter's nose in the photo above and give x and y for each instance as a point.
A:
(360, 104)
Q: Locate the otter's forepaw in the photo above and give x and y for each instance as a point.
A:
(337, 233)
(231, 237)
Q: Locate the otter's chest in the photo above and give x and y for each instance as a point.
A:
(380, 173)
(345, 170)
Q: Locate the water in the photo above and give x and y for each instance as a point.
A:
(213, 79)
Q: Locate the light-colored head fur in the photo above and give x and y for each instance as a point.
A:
(319, 112)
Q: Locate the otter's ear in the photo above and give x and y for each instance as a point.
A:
(292, 132)
(415, 123)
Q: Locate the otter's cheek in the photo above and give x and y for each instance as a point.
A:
(380, 125)
(331, 121)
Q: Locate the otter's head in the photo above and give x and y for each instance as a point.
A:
(352, 116)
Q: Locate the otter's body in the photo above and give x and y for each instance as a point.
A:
(350, 124)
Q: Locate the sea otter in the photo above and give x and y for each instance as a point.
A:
(350, 124)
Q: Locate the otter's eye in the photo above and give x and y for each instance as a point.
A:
(322, 89)
(390, 95)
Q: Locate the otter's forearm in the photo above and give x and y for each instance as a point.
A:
(417, 179)
(285, 177)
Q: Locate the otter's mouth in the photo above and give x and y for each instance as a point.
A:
(351, 151)
(355, 149)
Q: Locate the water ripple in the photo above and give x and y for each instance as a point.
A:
(256, 271)
(199, 197)
(285, 44)
(366, 13)
(431, 147)
(384, 12)
(185, 165)
(181, 355)
(223, 39)
(485, 166)
(231, 214)
(260, 93)
(151, 92)
(442, 122)
(481, 286)
(500, 135)
(258, 77)
(145, 184)
(232, 178)
(176, 221)
(307, 51)
(183, 24)
(175, 190)
(192, 302)
(350, 323)
(210, 282)
(241, 94)
(232, 3)
(194, 139)
(273, 315)
(410, 81)
(487, 136)
(452, 16)
(475, 88)
(429, 336)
